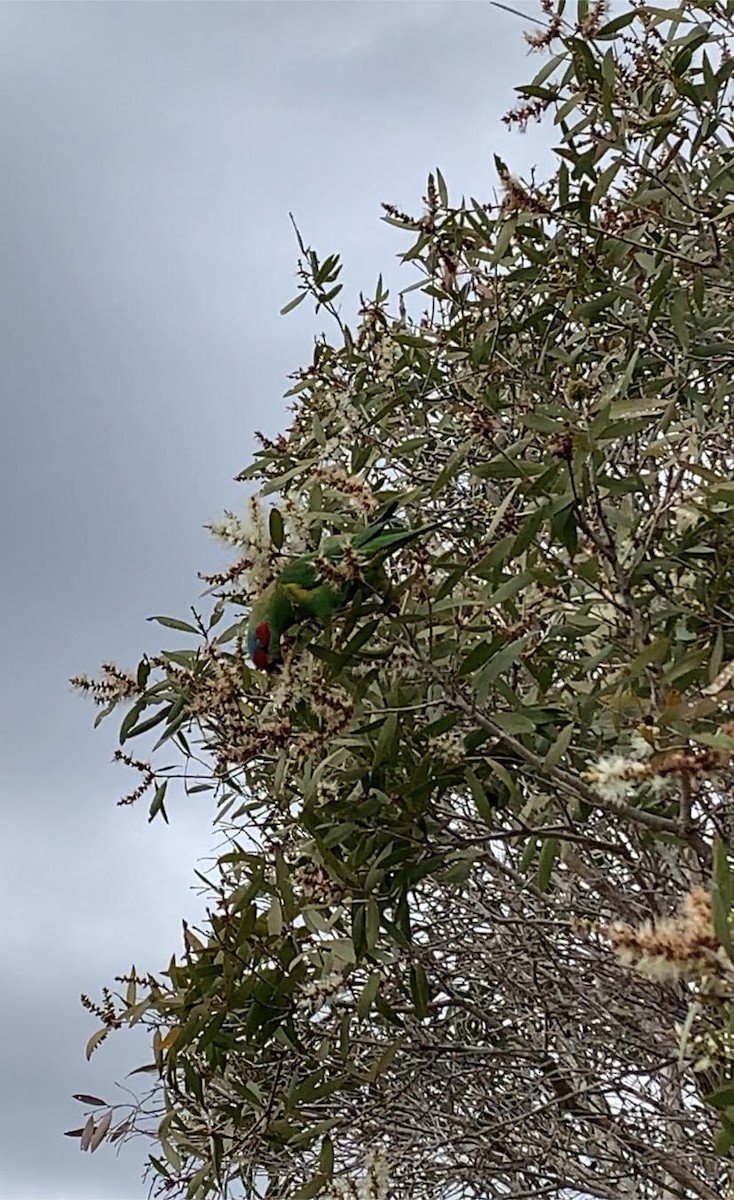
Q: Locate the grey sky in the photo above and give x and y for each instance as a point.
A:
(151, 153)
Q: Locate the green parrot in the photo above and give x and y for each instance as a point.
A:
(301, 591)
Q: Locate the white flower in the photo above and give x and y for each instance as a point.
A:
(640, 747)
(450, 747)
(612, 777)
(371, 1186)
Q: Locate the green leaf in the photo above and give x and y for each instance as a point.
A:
(308, 1190)
(283, 880)
(358, 923)
(318, 430)
(608, 72)
(679, 316)
(546, 859)
(275, 918)
(477, 656)
(633, 407)
(503, 659)
(722, 896)
(277, 530)
(717, 655)
(371, 923)
(216, 614)
(513, 722)
(496, 768)
(723, 1097)
(458, 871)
(385, 1059)
(149, 723)
(563, 184)
(293, 303)
(182, 658)
(510, 587)
(326, 1158)
(502, 244)
(591, 308)
(387, 741)
(528, 854)
(724, 1139)
(563, 527)
(355, 643)
(560, 746)
(656, 651)
(605, 180)
(130, 719)
(419, 990)
(612, 28)
(157, 803)
(479, 795)
(548, 68)
(368, 994)
(451, 469)
(95, 1040)
(688, 664)
(232, 631)
(174, 623)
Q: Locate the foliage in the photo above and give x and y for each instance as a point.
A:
(505, 759)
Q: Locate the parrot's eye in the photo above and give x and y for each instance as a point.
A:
(262, 633)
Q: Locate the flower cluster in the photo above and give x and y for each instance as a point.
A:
(294, 678)
(318, 992)
(355, 491)
(113, 685)
(711, 1048)
(373, 1185)
(106, 1013)
(250, 533)
(613, 776)
(317, 886)
(348, 567)
(264, 737)
(335, 707)
(681, 947)
(450, 747)
(143, 768)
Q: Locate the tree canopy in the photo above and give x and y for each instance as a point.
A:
(469, 933)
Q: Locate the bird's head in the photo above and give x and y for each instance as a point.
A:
(258, 643)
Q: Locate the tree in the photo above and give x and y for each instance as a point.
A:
(472, 924)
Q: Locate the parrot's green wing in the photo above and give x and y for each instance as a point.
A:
(270, 616)
(306, 588)
(302, 589)
(301, 573)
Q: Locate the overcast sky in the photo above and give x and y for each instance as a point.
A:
(151, 153)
